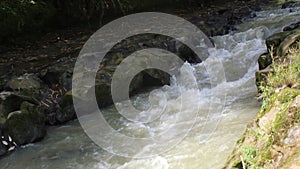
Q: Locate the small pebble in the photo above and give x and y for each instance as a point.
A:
(5, 143)
(11, 148)
(9, 139)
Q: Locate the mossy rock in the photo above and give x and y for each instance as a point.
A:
(27, 81)
(66, 114)
(103, 94)
(9, 102)
(275, 40)
(2, 120)
(280, 42)
(27, 125)
(264, 61)
(278, 45)
(67, 99)
(260, 80)
(282, 49)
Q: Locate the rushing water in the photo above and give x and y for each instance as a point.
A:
(69, 147)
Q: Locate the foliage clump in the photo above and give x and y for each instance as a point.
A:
(285, 74)
(23, 16)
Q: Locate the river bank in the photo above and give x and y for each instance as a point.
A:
(272, 139)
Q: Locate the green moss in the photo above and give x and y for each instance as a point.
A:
(297, 115)
(285, 75)
(287, 95)
(236, 164)
(67, 99)
(117, 59)
(280, 118)
(267, 104)
(270, 141)
(284, 96)
(249, 154)
(267, 155)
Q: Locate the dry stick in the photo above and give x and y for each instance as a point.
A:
(49, 101)
(45, 104)
(243, 163)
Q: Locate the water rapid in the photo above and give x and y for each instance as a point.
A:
(224, 110)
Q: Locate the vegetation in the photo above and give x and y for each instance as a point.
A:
(23, 15)
(265, 143)
(32, 16)
(284, 74)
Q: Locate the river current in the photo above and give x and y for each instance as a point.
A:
(213, 135)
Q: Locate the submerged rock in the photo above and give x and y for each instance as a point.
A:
(58, 109)
(292, 26)
(290, 4)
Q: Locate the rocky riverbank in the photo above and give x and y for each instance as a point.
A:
(272, 140)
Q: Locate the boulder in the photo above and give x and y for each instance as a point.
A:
(26, 81)
(66, 114)
(9, 102)
(289, 42)
(67, 109)
(279, 44)
(60, 109)
(264, 61)
(27, 125)
(275, 40)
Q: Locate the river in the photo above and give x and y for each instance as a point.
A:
(212, 137)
